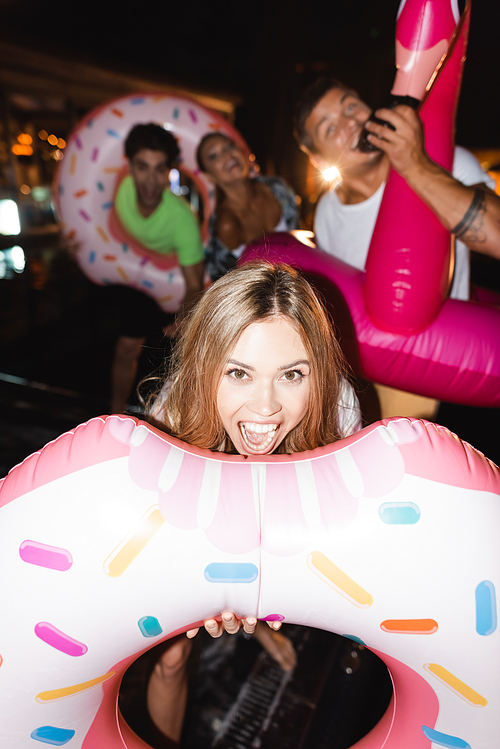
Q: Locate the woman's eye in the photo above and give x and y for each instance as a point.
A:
(237, 374)
(293, 375)
(330, 129)
(351, 108)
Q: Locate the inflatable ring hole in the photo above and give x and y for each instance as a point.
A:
(337, 693)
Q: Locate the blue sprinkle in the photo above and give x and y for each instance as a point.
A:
(107, 206)
(171, 277)
(92, 256)
(90, 123)
(148, 284)
(486, 608)
(52, 735)
(113, 133)
(61, 189)
(176, 114)
(231, 572)
(150, 626)
(443, 739)
(138, 100)
(100, 186)
(125, 247)
(355, 639)
(399, 513)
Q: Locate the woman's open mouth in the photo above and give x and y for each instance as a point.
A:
(258, 437)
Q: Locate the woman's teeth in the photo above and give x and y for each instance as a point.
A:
(257, 436)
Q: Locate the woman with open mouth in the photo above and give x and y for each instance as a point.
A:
(257, 370)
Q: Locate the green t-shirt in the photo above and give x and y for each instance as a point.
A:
(171, 228)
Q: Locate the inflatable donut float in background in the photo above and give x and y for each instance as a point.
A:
(92, 168)
(116, 537)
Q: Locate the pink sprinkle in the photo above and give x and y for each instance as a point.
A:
(43, 555)
(78, 142)
(193, 116)
(95, 154)
(84, 215)
(273, 618)
(144, 261)
(58, 640)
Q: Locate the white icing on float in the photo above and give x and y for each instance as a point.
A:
(91, 171)
(115, 537)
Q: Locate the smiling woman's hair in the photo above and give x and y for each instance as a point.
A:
(186, 405)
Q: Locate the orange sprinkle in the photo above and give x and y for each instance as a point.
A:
(159, 97)
(72, 164)
(166, 298)
(122, 273)
(72, 234)
(102, 233)
(112, 170)
(59, 694)
(117, 112)
(110, 258)
(81, 193)
(410, 626)
(214, 125)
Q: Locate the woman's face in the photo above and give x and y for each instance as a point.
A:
(223, 160)
(265, 387)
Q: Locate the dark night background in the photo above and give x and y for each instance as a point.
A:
(265, 52)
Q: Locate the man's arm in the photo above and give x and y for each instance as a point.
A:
(472, 213)
(193, 277)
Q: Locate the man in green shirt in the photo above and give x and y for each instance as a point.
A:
(162, 222)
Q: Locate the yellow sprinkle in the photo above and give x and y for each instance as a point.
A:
(337, 578)
(457, 686)
(132, 545)
(102, 233)
(122, 273)
(59, 694)
(72, 164)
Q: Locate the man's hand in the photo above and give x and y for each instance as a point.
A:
(405, 145)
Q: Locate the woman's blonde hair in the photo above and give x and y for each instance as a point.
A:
(186, 407)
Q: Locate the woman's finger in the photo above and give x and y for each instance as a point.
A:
(192, 632)
(249, 625)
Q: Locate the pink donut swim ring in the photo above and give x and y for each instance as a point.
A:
(89, 175)
(115, 537)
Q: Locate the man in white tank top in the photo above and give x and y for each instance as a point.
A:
(329, 119)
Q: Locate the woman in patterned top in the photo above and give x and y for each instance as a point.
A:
(248, 208)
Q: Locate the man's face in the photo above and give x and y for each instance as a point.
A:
(150, 172)
(334, 127)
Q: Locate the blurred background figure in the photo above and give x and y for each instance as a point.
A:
(248, 207)
(160, 221)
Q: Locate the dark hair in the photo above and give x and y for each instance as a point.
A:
(202, 142)
(153, 137)
(305, 105)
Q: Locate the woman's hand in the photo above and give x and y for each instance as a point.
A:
(231, 624)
